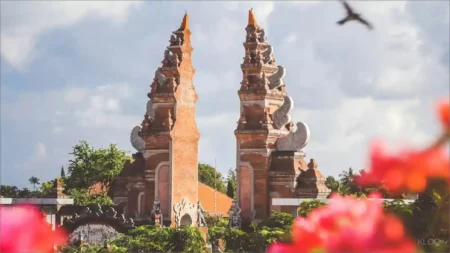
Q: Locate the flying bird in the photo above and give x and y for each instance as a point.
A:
(351, 15)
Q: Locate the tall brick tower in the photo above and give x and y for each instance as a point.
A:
(269, 156)
(167, 139)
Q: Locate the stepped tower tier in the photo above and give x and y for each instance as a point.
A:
(167, 139)
(269, 144)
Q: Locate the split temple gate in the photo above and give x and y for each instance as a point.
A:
(269, 158)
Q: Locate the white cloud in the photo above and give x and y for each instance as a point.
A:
(291, 38)
(349, 84)
(99, 107)
(40, 152)
(25, 21)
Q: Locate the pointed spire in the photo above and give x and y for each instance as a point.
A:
(185, 24)
(251, 18)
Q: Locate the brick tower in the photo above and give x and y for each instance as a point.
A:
(269, 156)
(167, 141)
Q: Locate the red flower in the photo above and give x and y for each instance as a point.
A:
(348, 225)
(444, 113)
(408, 170)
(23, 229)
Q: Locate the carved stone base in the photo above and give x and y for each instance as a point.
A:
(185, 213)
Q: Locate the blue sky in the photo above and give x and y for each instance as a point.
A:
(75, 71)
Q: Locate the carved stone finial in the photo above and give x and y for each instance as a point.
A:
(312, 164)
(276, 80)
(281, 116)
(160, 78)
(295, 141)
(268, 55)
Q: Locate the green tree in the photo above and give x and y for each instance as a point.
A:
(332, 183)
(90, 166)
(211, 177)
(24, 193)
(9, 191)
(34, 181)
(231, 184)
(82, 197)
(307, 206)
(47, 188)
(63, 173)
(347, 177)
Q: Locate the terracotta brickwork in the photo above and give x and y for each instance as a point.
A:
(167, 141)
(264, 172)
(255, 133)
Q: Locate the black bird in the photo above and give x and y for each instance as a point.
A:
(351, 15)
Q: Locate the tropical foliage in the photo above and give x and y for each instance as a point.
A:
(208, 175)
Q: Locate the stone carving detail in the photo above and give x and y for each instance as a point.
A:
(175, 40)
(156, 215)
(262, 36)
(263, 80)
(136, 141)
(110, 213)
(281, 116)
(182, 208)
(247, 57)
(295, 141)
(259, 58)
(251, 35)
(170, 59)
(268, 55)
(234, 214)
(161, 79)
(276, 80)
(149, 110)
(201, 222)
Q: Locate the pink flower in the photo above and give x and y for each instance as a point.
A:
(348, 225)
(443, 109)
(408, 170)
(23, 229)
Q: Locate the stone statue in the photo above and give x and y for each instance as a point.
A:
(111, 213)
(97, 210)
(129, 222)
(156, 216)
(281, 116)
(86, 212)
(276, 80)
(234, 214)
(136, 141)
(295, 141)
(200, 218)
